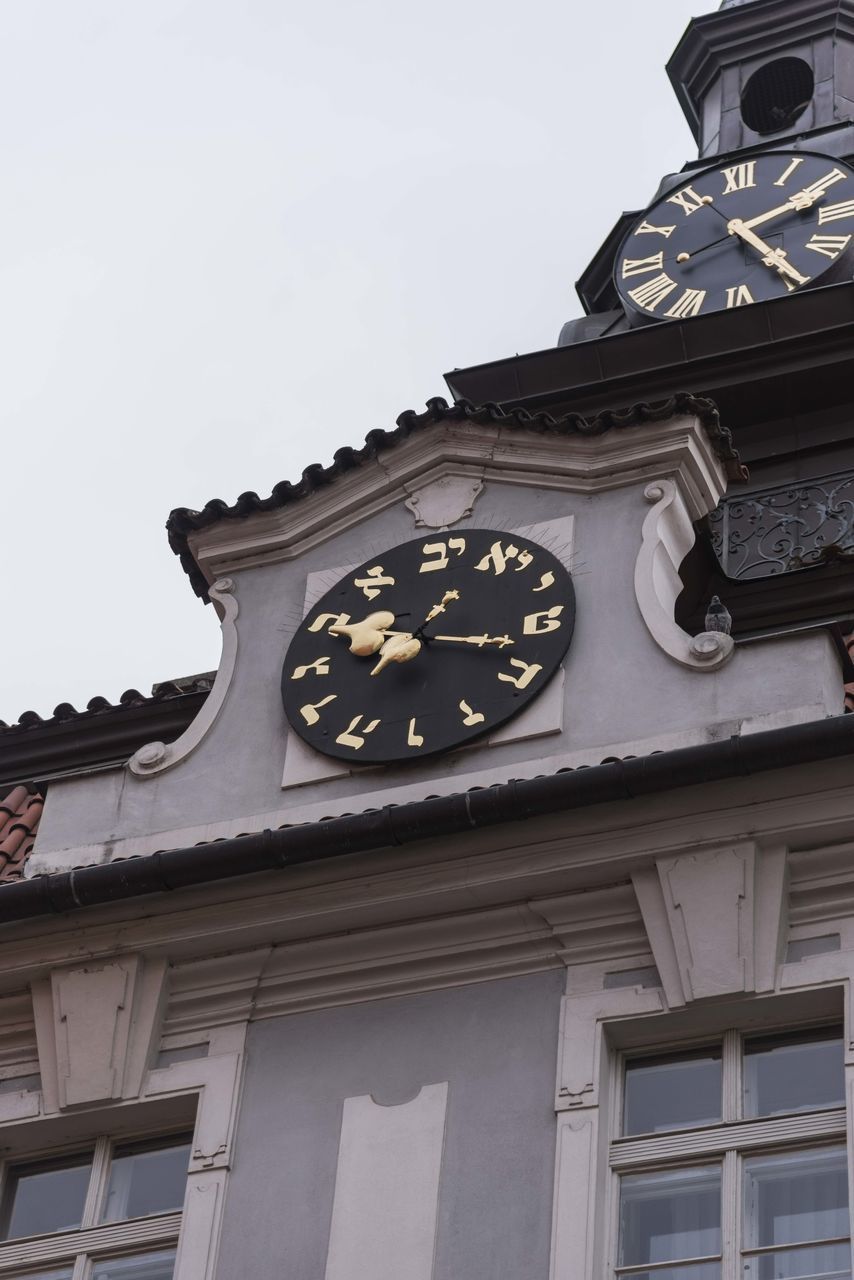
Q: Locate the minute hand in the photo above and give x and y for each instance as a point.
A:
(803, 200)
(480, 641)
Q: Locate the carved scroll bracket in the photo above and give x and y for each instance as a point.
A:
(157, 757)
(666, 538)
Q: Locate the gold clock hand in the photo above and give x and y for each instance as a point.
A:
(480, 641)
(799, 202)
(774, 258)
(440, 607)
(369, 635)
(402, 647)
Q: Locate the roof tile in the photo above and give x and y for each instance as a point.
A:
(20, 812)
(182, 522)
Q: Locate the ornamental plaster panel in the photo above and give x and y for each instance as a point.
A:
(385, 1208)
(440, 503)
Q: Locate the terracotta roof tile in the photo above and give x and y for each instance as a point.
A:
(20, 812)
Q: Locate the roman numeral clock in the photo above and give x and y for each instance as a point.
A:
(738, 234)
(428, 646)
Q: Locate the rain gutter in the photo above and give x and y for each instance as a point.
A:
(439, 817)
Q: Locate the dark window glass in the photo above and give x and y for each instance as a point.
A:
(672, 1093)
(146, 1179)
(670, 1217)
(46, 1197)
(143, 1266)
(803, 1073)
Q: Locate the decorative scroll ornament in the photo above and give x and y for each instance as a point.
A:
(157, 757)
(667, 536)
(787, 528)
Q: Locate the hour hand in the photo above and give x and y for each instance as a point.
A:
(369, 635)
(440, 607)
(774, 258)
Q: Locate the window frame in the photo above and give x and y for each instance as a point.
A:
(603, 1026)
(94, 1240)
(727, 1143)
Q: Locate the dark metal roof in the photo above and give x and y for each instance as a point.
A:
(182, 522)
(103, 734)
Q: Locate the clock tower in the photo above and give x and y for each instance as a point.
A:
(736, 282)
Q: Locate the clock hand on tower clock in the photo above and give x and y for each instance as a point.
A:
(774, 258)
(800, 202)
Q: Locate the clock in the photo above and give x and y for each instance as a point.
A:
(428, 646)
(740, 233)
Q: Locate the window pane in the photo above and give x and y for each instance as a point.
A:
(827, 1261)
(48, 1197)
(699, 1271)
(147, 1179)
(64, 1273)
(804, 1074)
(147, 1266)
(794, 1198)
(672, 1093)
(665, 1217)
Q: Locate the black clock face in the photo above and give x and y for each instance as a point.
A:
(427, 646)
(740, 233)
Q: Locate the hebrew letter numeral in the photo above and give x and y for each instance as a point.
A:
(414, 739)
(440, 551)
(349, 738)
(309, 712)
(336, 619)
(497, 558)
(529, 672)
(471, 717)
(320, 667)
(546, 581)
(374, 581)
(538, 624)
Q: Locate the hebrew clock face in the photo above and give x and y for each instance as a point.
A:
(740, 233)
(427, 646)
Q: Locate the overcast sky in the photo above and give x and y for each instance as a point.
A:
(237, 234)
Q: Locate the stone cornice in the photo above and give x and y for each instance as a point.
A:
(490, 451)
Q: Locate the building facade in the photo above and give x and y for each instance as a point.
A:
(490, 912)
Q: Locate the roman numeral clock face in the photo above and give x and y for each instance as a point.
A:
(739, 234)
(427, 646)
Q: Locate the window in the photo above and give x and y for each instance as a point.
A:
(110, 1211)
(731, 1161)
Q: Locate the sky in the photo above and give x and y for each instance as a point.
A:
(239, 234)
